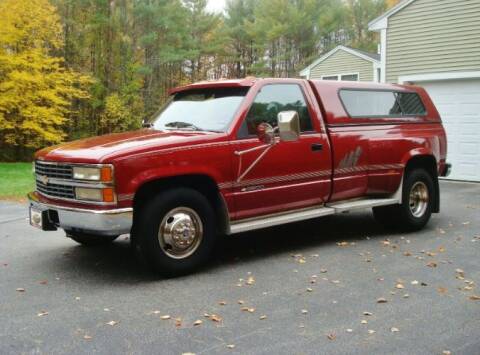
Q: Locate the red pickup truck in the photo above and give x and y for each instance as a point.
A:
(232, 156)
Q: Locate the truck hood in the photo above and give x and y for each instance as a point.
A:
(105, 148)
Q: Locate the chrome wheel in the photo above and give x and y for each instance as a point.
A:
(419, 199)
(180, 232)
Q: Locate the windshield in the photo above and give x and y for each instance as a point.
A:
(200, 110)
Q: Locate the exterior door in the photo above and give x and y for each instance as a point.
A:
(287, 175)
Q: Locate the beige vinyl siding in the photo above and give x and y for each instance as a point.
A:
(342, 62)
(433, 36)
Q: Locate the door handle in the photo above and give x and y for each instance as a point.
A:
(317, 147)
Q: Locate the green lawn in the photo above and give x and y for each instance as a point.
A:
(16, 179)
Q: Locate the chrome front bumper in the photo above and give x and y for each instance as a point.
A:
(102, 222)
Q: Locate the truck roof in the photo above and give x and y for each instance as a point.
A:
(319, 84)
(246, 82)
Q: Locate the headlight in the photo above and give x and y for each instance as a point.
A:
(90, 194)
(93, 174)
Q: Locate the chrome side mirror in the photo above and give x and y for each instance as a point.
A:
(266, 133)
(288, 126)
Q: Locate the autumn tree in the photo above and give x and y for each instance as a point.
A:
(36, 90)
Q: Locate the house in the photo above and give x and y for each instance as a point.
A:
(345, 63)
(436, 44)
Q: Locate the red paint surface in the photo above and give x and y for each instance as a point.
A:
(291, 175)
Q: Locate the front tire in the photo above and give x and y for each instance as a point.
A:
(90, 240)
(415, 210)
(174, 232)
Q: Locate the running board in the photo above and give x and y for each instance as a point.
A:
(277, 219)
(304, 214)
(347, 206)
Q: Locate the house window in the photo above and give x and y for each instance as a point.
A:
(333, 77)
(342, 77)
(349, 77)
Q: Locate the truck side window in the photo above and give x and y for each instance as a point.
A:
(373, 103)
(271, 100)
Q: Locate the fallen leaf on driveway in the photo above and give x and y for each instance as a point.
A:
(331, 336)
(197, 322)
(432, 264)
(363, 321)
(304, 311)
(42, 313)
(475, 298)
(112, 323)
(222, 303)
(230, 346)
(394, 330)
(342, 244)
(250, 281)
(367, 313)
(165, 317)
(442, 290)
(43, 282)
(414, 282)
(20, 289)
(216, 318)
(381, 300)
(87, 337)
(263, 317)
(399, 286)
(370, 331)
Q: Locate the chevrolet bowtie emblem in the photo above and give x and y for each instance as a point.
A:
(43, 179)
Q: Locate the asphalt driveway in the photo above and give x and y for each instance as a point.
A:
(335, 285)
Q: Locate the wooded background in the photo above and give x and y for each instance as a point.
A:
(76, 68)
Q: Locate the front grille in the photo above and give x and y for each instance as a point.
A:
(56, 190)
(57, 171)
(54, 171)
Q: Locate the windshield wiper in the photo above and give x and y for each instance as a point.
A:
(187, 126)
(183, 125)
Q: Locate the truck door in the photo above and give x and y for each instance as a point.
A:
(288, 175)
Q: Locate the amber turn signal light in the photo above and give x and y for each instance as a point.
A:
(106, 174)
(108, 195)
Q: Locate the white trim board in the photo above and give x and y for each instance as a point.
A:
(306, 71)
(381, 22)
(439, 76)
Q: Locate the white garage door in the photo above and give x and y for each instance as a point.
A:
(458, 102)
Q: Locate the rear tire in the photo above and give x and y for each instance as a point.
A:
(90, 240)
(174, 232)
(415, 210)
